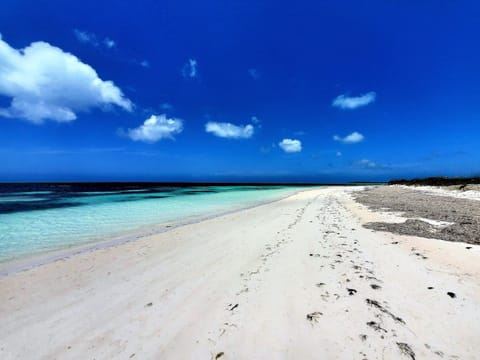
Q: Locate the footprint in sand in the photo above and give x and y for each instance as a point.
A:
(314, 316)
(406, 350)
(376, 326)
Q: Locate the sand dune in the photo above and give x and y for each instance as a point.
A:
(299, 278)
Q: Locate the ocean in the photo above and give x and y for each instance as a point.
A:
(46, 217)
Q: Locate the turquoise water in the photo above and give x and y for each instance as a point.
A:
(34, 222)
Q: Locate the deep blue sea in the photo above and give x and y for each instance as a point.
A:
(39, 218)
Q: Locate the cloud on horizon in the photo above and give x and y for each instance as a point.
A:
(155, 128)
(44, 82)
(290, 145)
(229, 131)
(353, 138)
(354, 102)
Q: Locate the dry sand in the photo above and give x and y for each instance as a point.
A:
(295, 279)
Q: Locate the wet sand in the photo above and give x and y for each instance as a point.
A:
(297, 278)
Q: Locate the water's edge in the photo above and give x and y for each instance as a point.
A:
(23, 264)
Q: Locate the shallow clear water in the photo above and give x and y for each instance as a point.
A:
(52, 217)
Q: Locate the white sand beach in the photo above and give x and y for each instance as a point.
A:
(298, 278)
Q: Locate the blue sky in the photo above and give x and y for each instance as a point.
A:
(238, 90)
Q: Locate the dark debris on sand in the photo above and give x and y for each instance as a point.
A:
(414, 204)
(406, 350)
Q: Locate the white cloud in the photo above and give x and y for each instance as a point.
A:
(90, 38)
(227, 130)
(367, 163)
(256, 122)
(189, 70)
(339, 153)
(353, 138)
(353, 102)
(290, 145)
(155, 128)
(44, 82)
(86, 37)
(254, 73)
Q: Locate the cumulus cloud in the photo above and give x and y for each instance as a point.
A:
(353, 138)
(44, 82)
(189, 70)
(290, 145)
(155, 128)
(353, 102)
(230, 131)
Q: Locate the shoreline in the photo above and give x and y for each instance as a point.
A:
(28, 262)
(300, 277)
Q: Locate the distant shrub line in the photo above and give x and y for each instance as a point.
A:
(437, 181)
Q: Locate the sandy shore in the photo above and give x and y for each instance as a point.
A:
(300, 278)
